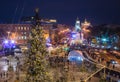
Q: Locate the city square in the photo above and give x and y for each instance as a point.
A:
(39, 49)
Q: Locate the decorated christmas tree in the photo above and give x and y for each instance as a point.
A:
(36, 63)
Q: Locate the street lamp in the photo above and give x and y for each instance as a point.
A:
(12, 41)
(6, 41)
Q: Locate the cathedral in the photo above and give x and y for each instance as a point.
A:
(79, 32)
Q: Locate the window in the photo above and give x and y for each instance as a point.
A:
(28, 28)
(24, 28)
(25, 37)
(21, 28)
(22, 37)
(22, 33)
(19, 37)
(18, 28)
(25, 33)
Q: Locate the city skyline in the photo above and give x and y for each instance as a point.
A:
(66, 12)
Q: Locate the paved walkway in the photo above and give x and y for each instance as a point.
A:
(5, 62)
(74, 75)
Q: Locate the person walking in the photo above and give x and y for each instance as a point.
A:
(4, 74)
(7, 74)
(1, 75)
(7, 62)
(113, 66)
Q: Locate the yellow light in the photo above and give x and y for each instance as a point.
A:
(85, 30)
(13, 36)
(46, 36)
(52, 20)
(104, 51)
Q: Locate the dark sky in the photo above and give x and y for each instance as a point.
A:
(65, 11)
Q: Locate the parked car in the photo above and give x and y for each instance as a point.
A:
(113, 61)
(17, 52)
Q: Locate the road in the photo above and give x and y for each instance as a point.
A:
(115, 71)
(107, 57)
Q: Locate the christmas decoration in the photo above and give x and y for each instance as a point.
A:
(36, 63)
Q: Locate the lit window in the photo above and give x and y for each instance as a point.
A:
(21, 28)
(24, 28)
(22, 37)
(24, 32)
(25, 37)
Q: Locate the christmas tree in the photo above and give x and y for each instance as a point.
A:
(36, 63)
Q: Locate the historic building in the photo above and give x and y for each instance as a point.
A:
(17, 32)
(80, 32)
(77, 25)
(86, 29)
(20, 32)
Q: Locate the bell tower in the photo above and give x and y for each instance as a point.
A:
(77, 25)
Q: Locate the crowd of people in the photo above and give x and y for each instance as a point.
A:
(57, 61)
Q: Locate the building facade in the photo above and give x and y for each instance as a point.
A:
(17, 32)
(20, 32)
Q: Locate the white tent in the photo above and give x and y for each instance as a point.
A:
(75, 56)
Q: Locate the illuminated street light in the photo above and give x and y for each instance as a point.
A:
(73, 36)
(12, 41)
(104, 39)
(8, 32)
(6, 41)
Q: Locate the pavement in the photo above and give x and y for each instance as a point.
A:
(5, 62)
(74, 75)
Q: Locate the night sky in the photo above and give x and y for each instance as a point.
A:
(65, 11)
